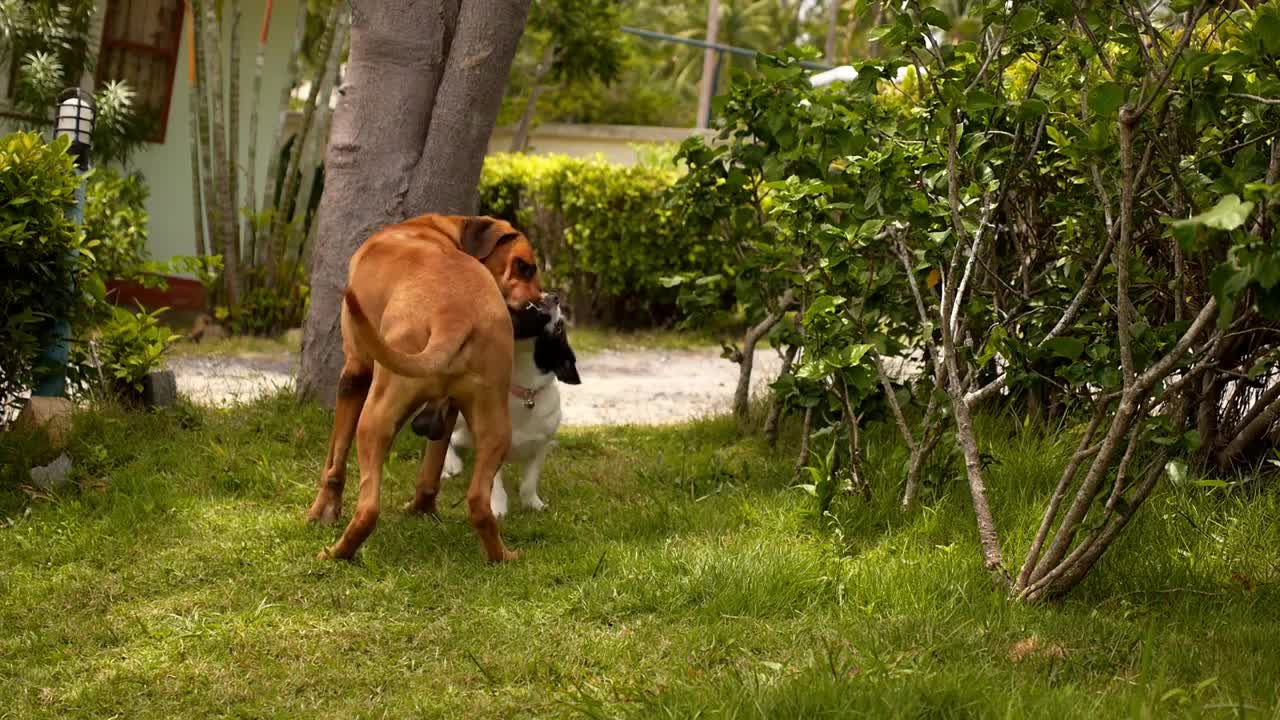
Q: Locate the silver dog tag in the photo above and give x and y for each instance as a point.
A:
(528, 403)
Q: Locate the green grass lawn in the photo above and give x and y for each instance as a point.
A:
(675, 574)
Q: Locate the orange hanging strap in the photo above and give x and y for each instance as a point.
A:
(191, 44)
(266, 23)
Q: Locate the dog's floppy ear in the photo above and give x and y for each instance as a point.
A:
(567, 373)
(551, 353)
(481, 235)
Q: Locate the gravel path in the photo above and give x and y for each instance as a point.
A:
(650, 387)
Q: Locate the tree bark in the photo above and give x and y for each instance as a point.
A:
(833, 22)
(742, 394)
(415, 110)
(774, 416)
(1253, 426)
(806, 431)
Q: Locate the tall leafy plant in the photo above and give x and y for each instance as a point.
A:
(1071, 216)
(41, 254)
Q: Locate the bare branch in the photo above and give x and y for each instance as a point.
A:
(1258, 419)
(991, 54)
(892, 399)
(1256, 98)
(1166, 364)
(1082, 453)
(1173, 60)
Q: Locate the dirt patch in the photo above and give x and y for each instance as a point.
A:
(619, 387)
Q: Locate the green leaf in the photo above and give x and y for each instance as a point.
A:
(1229, 214)
(1057, 136)
(1267, 27)
(1033, 109)
(1267, 271)
(935, 17)
(978, 100)
(1066, 347)
(1177, 471)
(1025, 18)
(1191, 440)
(823, 304)
(1106, 99)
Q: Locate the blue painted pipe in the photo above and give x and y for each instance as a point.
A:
(52, 381)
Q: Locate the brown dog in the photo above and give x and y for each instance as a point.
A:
(423, 322)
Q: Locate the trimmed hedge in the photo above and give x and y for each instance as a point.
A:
(602, 231)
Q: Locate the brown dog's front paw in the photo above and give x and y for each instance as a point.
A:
(336, 552)
(324, 512)
(508, 555)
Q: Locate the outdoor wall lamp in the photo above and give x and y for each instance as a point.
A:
(75, 118)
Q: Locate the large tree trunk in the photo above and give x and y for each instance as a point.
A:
(417, 105)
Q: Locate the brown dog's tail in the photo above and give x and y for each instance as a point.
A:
(434, 359)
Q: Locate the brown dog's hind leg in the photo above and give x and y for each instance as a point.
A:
(490, 424)
(428, 485)
(385, 409)
(353, 388)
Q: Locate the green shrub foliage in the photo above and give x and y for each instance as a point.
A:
(1072, 215)
(125, 348)
(115, 219)
(603, 231)
(41, 252)
(55, 269)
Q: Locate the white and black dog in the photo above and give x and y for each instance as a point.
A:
(535, 411)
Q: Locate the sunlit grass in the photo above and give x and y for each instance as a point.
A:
(676, 573)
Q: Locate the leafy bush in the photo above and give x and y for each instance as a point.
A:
(1074, 218)
(56, 270)
(41, 252)
(602, 230)
(115, 218)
